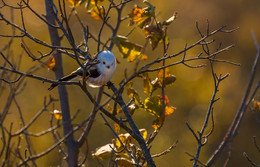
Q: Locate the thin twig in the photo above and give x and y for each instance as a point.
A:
(166, 151)
(250, 160)
(232, 131)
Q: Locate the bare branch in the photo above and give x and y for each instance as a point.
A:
(256, 145)
(136, 134)
(249, 160)
(166, 151)
(232, 131)
(25, 127)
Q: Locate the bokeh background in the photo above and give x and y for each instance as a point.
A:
(190, 94)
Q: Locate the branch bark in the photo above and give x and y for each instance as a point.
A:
(71, 144)
(232, 131)
(137, 135)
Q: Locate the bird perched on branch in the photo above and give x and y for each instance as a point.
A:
(96, 75)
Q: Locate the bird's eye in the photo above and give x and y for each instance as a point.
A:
(104, 62)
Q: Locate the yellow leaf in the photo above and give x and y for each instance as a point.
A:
(169, 78)
(143, 133)
(91, 3)
(157, 124)
(97, 12)
(129, 50)
(74, 3)
(117, 128)
(118, 144)
(51, 63)
(125, 139)
(148, 87)
(95, 2)
(154, 106)
(132, 93)
(57, 114)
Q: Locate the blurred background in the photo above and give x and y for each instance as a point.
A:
(190, 94)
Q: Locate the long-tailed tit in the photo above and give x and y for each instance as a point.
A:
(97, 75)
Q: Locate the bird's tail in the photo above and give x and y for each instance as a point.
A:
(66, 78)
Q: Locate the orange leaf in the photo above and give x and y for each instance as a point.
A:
(166, 100)
(139, 17)
(169, 110)
(142, 16)
(51, 63)
(110, 109)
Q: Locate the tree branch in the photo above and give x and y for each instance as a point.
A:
(63, 94)
(230, 134)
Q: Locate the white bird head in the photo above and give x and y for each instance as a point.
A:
(107, 63)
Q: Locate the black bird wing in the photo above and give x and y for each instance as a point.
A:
(71, 76)
(94, 73)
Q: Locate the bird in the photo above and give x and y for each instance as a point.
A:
(98, 74)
